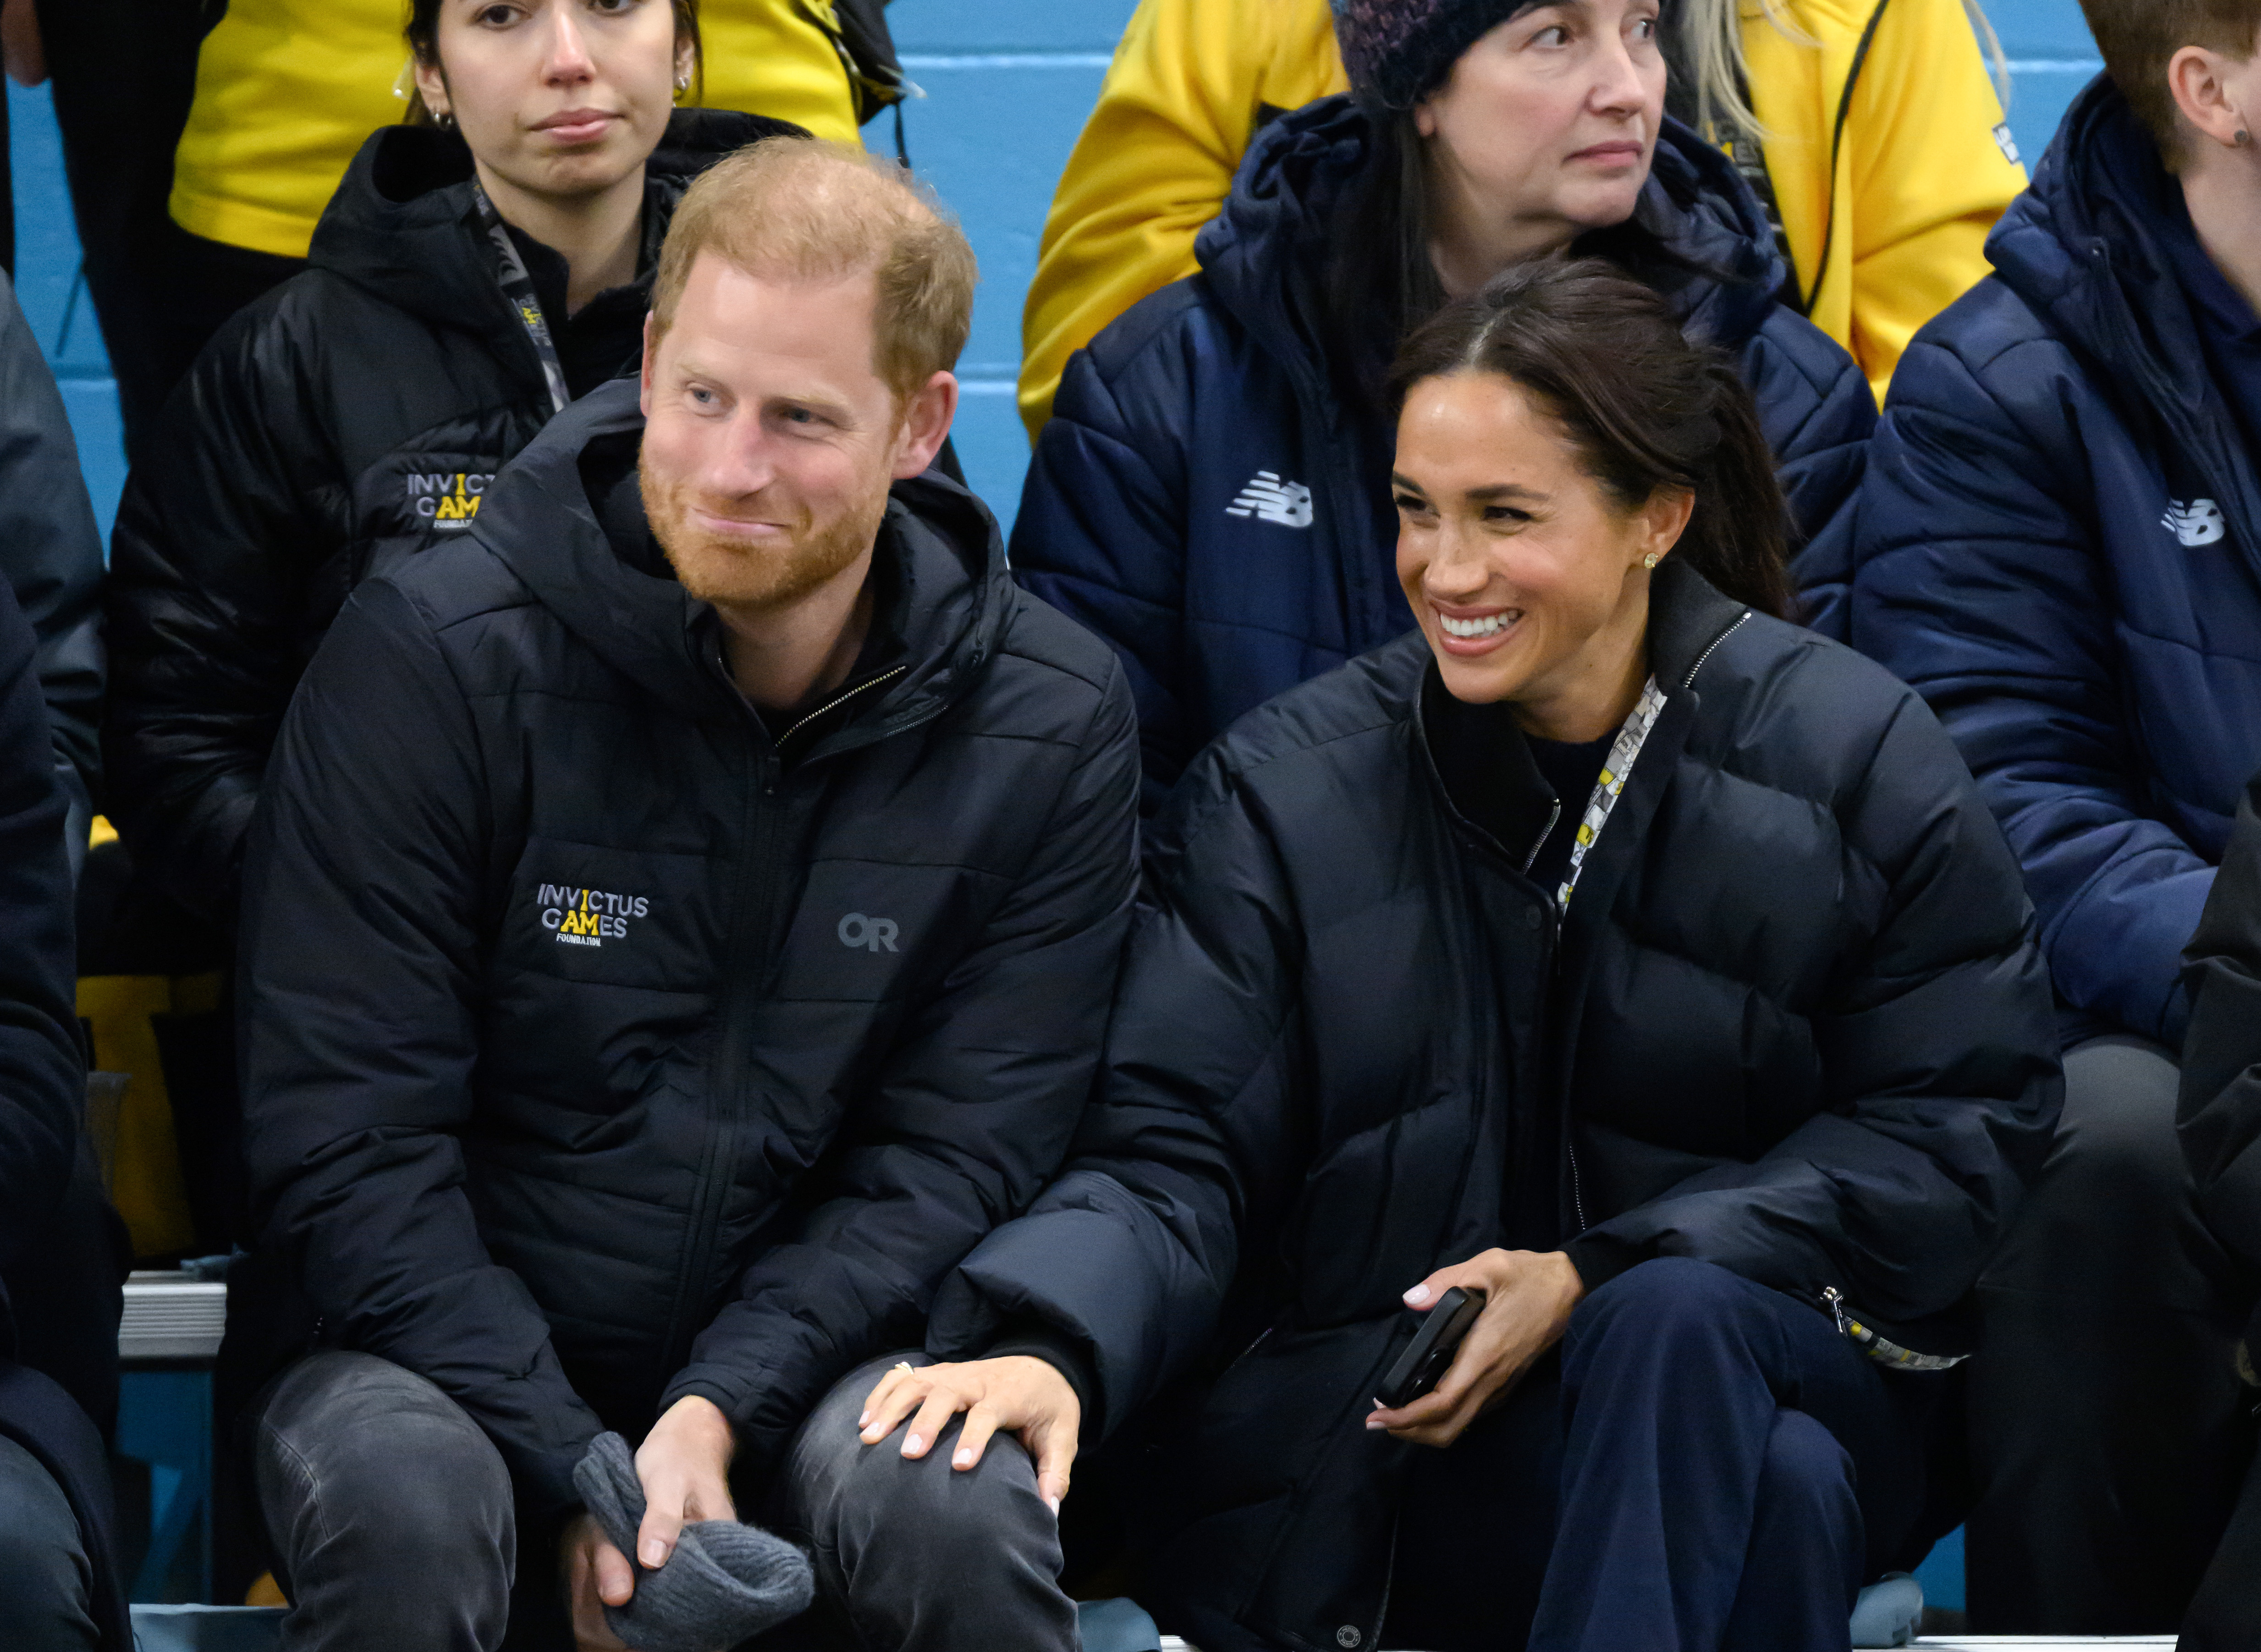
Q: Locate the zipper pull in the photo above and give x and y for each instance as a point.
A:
(1835, 1301)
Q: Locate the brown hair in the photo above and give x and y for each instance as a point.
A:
(814, 210)
(2138, 37)
(421, 30)
(1644, 407)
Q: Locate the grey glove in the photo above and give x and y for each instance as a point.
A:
(723, 1583)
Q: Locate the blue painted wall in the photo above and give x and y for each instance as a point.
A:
(1007, 83)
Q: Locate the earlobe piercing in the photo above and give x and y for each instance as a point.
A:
(2241, 137)
(1652, 559)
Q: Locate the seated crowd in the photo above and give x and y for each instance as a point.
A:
(805, 1084)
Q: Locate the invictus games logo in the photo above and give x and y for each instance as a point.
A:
(588, 917)
(448, 500)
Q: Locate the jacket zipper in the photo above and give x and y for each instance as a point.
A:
(840, 698)
(1715, 642)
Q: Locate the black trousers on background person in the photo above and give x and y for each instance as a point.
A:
(2109, 1431)
(124, 74)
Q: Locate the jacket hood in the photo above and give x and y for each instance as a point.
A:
(1697, 234)
(2091, 246)
(938, 549)
(402, 226)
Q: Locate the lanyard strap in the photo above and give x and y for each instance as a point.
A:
(1622, 750)
(518, 287)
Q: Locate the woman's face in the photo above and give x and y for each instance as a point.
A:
(1527, 577)
(1547, 125)
(558, 97)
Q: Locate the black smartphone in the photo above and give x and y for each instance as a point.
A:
(1431, 1351)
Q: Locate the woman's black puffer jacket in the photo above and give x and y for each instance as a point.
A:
(1794, 1020)
(347, 419)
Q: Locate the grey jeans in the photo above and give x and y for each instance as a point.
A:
(393, 1523)
(45, 1581)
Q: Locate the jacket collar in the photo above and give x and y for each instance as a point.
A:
(944, 589)
(1478, 757)
(2087, 247)
(403, 226)
(1698, 234)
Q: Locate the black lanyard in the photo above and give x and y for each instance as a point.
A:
(518, 287)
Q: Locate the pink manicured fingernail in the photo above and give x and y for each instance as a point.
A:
(963, 1460)
(911, 1444)
(1416, 1296)
(865, 1421)
(1055, 1502)
(1375, 1424)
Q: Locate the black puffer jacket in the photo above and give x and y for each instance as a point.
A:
(346, 419)
(602, 1049)
(1794, 1018)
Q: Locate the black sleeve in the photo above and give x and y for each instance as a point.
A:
(1128, 1256)
(2219, 1116)
(970, 1117)
(208, 607)
(42, 1073)
(52, 553)
(360, 963)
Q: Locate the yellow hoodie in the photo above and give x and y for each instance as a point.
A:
(287, 89)
(1920, 176)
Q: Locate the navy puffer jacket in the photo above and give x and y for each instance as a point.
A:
(2060, 547)
(1204, 500)
(1793, 1023)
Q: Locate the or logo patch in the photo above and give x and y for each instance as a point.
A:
(870, 934)
(2197, 523)
(589, 918)
(1269, 499)
(2007, 144)
(448, 500)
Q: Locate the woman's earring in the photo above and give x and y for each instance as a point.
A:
(682, 84)
(1652, 559)
(2243, 138)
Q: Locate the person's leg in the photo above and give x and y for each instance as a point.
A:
(45, 1580)
(1676, 1377)
(2105, 1429)
(2225, 1615)
(919, 1556)
(389, 1511)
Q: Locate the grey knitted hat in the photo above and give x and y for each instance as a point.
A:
(723, 1583)
(1397, 52)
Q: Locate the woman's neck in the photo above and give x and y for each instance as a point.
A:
(599, 235)
(1472, 239)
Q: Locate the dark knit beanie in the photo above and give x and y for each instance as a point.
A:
(1397, 52)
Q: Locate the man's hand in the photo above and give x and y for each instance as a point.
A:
(1021, 1394)
(21, 49)
(1528, 1296)
(684, 1466)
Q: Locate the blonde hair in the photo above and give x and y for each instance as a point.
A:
(807, 209)
(1713, 30)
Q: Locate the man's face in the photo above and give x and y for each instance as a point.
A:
(769, 439)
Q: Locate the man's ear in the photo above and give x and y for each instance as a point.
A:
(925, 425)
(2199, 78)
(644, 377)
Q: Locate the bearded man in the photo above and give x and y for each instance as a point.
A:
(680, 924)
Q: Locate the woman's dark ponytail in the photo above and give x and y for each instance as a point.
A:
(1645, 407)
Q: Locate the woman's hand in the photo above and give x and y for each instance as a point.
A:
(1528, 1296)
(1020, 1393)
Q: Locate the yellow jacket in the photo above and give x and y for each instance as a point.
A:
(1919, 178)
(287, 89)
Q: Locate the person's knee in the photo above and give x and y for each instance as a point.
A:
(45, 1578)
(351, 1444)
(1660, 1296)
(1806, 1469)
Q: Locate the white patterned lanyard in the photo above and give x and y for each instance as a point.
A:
(1611, 782)
(518, 287)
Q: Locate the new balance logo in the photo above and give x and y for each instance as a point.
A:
(2197, 523)
(1269, 499)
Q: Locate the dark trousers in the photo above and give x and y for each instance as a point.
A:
(394, 1524)
(1710, 1463)
(46, 1579)
(2108, 1435)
